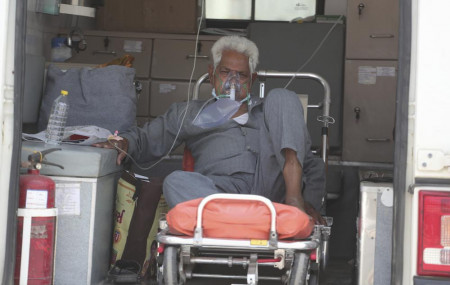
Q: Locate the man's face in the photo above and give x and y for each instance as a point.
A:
(232, 62)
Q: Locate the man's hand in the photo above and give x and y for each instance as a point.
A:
(307, 208)
(317, 217)
(295, 202)
(120, 145)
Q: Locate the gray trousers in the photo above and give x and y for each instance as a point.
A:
(180, 186)
(281, 126)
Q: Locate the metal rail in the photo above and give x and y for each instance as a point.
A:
(304, 75)
(243, 277)
(277, 74)
(227, 261)
(235, 244)
(325, 118)
(273, 238)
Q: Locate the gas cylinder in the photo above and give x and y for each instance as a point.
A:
(37, 195)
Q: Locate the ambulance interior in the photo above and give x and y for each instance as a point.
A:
(345, 43)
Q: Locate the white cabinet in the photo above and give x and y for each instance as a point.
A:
(374, 247)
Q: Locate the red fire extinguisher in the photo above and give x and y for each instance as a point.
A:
(36, 224)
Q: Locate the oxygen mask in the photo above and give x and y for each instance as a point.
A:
(231, 86)
(226, 105)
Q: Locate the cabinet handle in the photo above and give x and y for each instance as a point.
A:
(381, 36)
(357, 111)
(198, 56)
(377, 140)
(317, 106)
(361, 6)
(112, 52)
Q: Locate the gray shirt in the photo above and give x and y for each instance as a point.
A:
(251, 150)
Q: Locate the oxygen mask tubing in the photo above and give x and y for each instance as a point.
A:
(225, 106)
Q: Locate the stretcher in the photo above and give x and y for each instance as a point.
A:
(296, 260)
(245, 238)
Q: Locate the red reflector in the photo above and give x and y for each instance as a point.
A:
(434, 233)
(267, 260)
(161, 248)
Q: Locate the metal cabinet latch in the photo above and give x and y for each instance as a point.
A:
(361, 6)
(357, 111)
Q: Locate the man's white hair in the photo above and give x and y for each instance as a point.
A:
(238, 44)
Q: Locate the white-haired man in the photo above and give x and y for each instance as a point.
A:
(263, 148)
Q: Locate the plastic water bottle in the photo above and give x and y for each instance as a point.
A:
(57, 120)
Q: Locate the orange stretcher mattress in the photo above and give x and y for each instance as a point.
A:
(239, 219)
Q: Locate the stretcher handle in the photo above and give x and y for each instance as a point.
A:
(198, 233)
(304, 75)
(199, 82)
(325, 118)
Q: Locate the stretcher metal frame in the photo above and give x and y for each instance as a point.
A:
(300, 261)
(326, 119)
(181, 257)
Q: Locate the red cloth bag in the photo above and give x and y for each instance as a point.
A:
(239, 219)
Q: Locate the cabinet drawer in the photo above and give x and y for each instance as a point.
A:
(369, 110)
(143, 103)
(164, 93)
(372, 29)
(104, 49)
(174, 59)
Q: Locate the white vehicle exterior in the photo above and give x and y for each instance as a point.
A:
(7, 45)
(422, 153)
(427, 149)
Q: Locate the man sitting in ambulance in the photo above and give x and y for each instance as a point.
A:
(240, 143)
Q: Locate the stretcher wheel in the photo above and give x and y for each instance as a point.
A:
(299, 271)
(313, 274)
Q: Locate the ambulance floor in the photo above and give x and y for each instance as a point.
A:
(339, 272)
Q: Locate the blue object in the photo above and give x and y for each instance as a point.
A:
(58, 42)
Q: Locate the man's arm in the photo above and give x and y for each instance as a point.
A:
(292, 174)
(153, 140)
